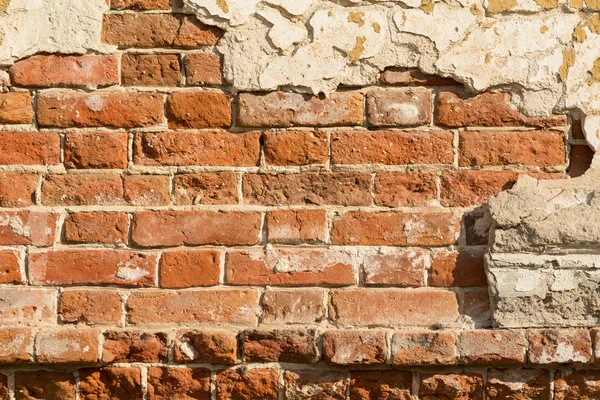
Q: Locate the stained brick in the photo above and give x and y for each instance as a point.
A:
(110, 383)
(302, 306)
(492, 347)
(56, 385)
(399, 107)
(203, 109)
(134, 346)
(96, 227)
(288, 148)
(405, 189)
(16, 108)
(96, 150)
(165, 383)
(190, 268)
(17, 189)
(27, 305)
(395, 268)
(27, 228)
(451, 386)
(305, 385)
(276, 345)
(150, 70)
(67, 346)
(210, 188)
(389, 384)
(354, 347)
(424, 348)
(10, 269)
(457, 269)
(203, 69)
(247, 384)
(16, 346)
(29, 148)
(296, 226)
(102, 307)
(549, 346)
(518, 384)
(206, 346)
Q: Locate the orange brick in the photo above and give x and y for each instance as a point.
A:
(10, 269)
(203, 69)
(179, 383)
(147, 190)
(345, 347)
(54, 384)
(451, 386)
(301, 306)
(29, 148)
(134, 346)
(206, 188)
(96, 227)
(296, 226)
(395, 268)
(96, 150)
(16, 346)
(189, 268)
(405, 189)
(110, 383)
(16, 108)
(492, 347)
(424, 348)
(203, 109)
(17, 189)
(92, 307)
(27, 228)
(242, 383)
(467, 188)
(296, 147)
(208, 346)
(67, 346)
(280, 345)
(381, 384)
(150, 70)
(457, 269)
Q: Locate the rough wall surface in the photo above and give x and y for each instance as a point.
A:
(229, 199)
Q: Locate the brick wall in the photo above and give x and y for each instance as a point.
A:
(165, 237)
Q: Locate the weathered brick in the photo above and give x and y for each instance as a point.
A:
(29, 148)
(580, 160)
(96, 150)
(102, 307)
(206, 346)
(218, 148)
(467, 188)
(549, 346)
(201, 109)
(4, 392)
(577, 384)
(92, 267)
(176, 228)
(276, 345)
(395, 228)
(157, 30)
(498, 148)
(379, 385)
(16, 108)
(519, 384)
(16, 346)
(457, 269)
(486, 109)
(336, 188)
(405, 189)
(203, 68)
(166, 383)
(110, 383)
(392, 147)
(399, 107)
(290, 267)
(66, 71)
(67, 346)
(210, 188)
(10, 269)
(302, 306)
(286, 148)
(96, 227)
(300, 385)
(117, 110)
(147, 190)
(247, 384)
(134, 346)
(150, 70)
(286, 109)
(347, 347)
(27, 305)
(421, 307)
(238, 306)
(56, 385)
(413, 77)
(424, 348)
(296, 226)
(395, 268)
(140, 5)
(17, 189)
(189, 268)
(451, 386)
(27, 228)
(492, 347)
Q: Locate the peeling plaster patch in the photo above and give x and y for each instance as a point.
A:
(4, 5)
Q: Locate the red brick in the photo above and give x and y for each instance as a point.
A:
(110, 383)
(29, 148)
(286, 109)
(550, 346)
(391, 147)
(532, 148)
(580, 160)
(395, 268)
(134, 346)
(247, 384)
(16, 346)
(27, 305)
(492, 347)
(424, 348)
(166, 383)
(296, 226)
(10, 269)
(486, 109)
(399, 107)
(102, 307)
(380, 385)
(405, 189)
(457, 269)
(189, 268)
(468, 188)
(117, 110)
(297, 267)
(420, 307)
(176, 228)
(56, 385)
(140, 5)
(519, 384)
(147, 190)
(66, 71)
(206, 347)
(310, 384)
(96, 150)
(328, 188)
(96, 227)
(16, 108)
(150, 70)
(210, 188)
(577, 384)
(67, 346)
(27, 228)
(202, 109)
(218, 148)
(354, 347)
(17, 189)
(157, 30)
(413, 77)
(296, 147)
(92, 267)
(451, 387)
(395, 228)
(302, 306)
(239, 306)
(203, 69)
(276, 345)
